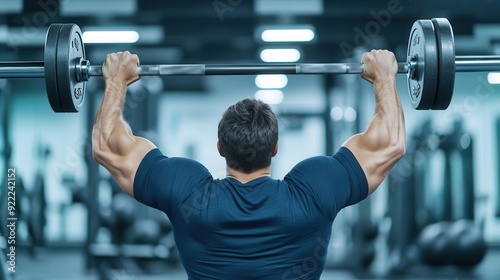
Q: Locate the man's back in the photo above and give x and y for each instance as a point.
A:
(264, 229)
(250, 229)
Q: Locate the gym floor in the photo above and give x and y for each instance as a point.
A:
(68, 264)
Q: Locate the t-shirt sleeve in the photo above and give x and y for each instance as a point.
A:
(333, 182)
(163, 183)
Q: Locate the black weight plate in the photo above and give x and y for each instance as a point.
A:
(423, 84)
(50, 66)
(70, 49)
(446, 60)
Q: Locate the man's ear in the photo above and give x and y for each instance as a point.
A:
(275, 150)
(219, 148)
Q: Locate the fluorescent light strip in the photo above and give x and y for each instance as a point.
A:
(14, 6)
(288, 7)
(287, 35)
(93, 7)
(494, 78)
(280, 55)
(271, 81)
(272, 97)
(109, 37)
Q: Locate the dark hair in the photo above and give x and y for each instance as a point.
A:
(248, 135)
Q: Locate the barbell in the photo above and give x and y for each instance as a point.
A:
(430, 66)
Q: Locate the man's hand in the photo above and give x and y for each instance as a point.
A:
(379, 65)
(121, 68)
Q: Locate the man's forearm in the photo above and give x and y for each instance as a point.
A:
(383, 142)
(113, 101)
(112, 138)
(109, 127)
(387, 127)
(113, 144)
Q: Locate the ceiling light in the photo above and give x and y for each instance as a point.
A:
(106, 37)
(271, 81)
(280, 55)
(287, 35)
(272, 97)
(148, 34)
(12, 6)
(494, 78)
(350, 114)
(96, 7)
(336, 113)
(16, 36)
(288, 7)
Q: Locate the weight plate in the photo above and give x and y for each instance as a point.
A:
(446, 59)
(423, 78)
(70, 49)
(50, 66)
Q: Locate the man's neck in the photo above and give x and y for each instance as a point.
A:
(247, 177)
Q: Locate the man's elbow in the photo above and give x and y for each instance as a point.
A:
(398, 151)
(97, 155)
(393, 150)
(98, 152)
(100, 146)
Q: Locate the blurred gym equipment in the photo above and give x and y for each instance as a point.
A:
(435, 228)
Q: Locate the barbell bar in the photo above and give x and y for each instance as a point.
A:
(36, 69)
(430, 66)
(477, 63)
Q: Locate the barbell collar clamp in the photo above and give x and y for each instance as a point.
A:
(412, 67)
(82, 70)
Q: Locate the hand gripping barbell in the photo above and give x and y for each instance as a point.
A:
(430, 66)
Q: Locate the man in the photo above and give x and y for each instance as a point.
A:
(248, 225)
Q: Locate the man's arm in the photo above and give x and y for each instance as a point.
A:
(113, 144)
(383, 142)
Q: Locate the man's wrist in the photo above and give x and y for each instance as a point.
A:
(385, 80)
(115, 85)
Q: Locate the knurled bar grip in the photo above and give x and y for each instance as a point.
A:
(202, 69)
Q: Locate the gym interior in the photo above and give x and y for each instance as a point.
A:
(436, 216)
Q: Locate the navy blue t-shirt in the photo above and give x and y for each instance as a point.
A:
(264, 229)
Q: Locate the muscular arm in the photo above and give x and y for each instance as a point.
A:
(113, 144)
(383, 143)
